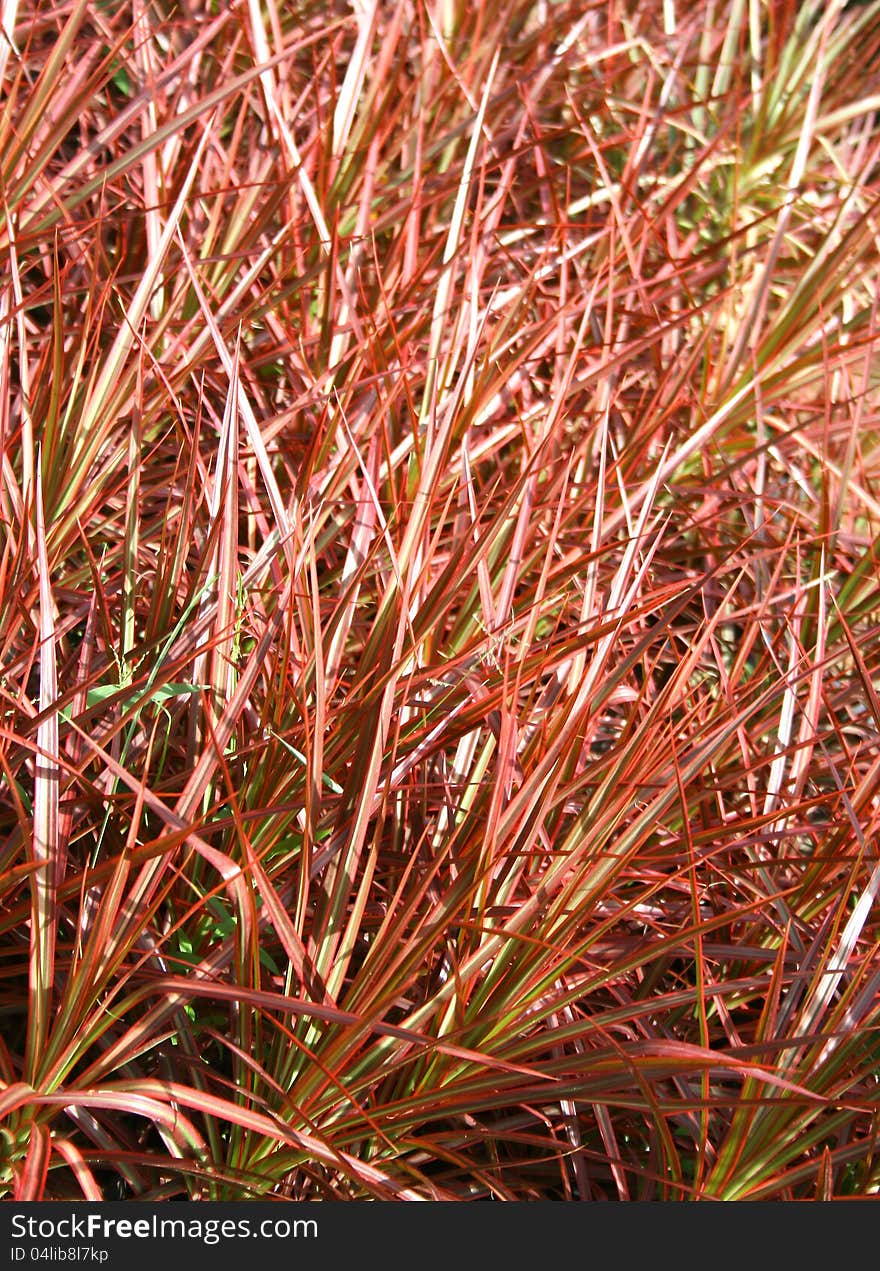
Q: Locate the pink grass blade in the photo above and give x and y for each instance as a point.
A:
(45, 846)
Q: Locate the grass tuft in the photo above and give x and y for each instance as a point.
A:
(439, 512)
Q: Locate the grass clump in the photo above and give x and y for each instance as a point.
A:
(438, 547)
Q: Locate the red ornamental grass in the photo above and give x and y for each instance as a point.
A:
(438, 549)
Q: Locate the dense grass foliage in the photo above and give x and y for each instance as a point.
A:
(439, 513)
